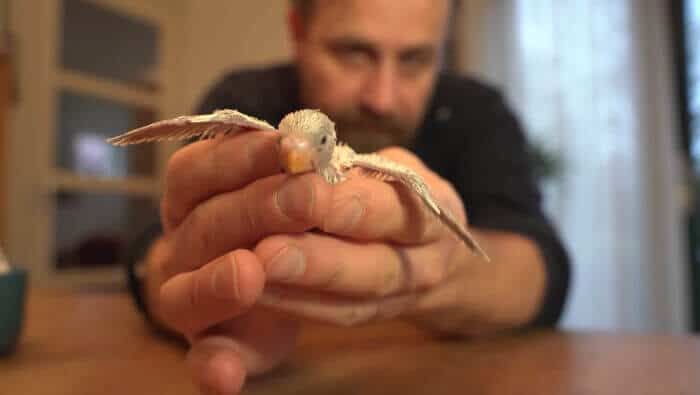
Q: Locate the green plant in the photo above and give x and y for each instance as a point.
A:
(547, 164)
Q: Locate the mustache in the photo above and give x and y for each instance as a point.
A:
(365, 123)
(367, 133)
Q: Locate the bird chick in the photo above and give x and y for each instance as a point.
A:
(307, 142)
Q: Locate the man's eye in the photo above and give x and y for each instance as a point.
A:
(413, 63)
(353, 57)
(323, 140)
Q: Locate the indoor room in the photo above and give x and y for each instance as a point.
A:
(345, 196)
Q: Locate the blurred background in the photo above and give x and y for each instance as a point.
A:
(609, 92)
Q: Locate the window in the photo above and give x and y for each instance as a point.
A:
(686, 22)
(691, 29)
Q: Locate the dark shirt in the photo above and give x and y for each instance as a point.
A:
(468, 136)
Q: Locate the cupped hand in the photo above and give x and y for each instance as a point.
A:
(221, 197)
(379, 253)
(243, 242)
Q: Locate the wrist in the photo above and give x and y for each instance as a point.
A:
(443, 309)
(481, 298)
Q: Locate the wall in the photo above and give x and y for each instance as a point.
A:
(224, 34)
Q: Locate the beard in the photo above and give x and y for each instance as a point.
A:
(366, 132)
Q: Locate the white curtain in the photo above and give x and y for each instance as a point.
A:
(591, 80)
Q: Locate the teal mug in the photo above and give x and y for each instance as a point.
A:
(13, 295)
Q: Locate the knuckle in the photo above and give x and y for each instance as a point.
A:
(348, 214)
(196, 235)
(420, 226)
(175, 182)
(428, 228)
(177, 163)
(391, 280)
(221, 165)
(178, 302)
(220, 162)
(161, 260)
(333, 277)
(417, 223)
(205, 235)
(303, 200)
(449, 199)
(453, 256)
(168, 218)
(319, 196)
(396, 274)
(195, 293)
(432, 276)
(257, 149)
(293, 200)
(249, 219)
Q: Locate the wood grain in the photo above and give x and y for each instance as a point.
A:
(95, 343)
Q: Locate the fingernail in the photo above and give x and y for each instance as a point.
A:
(287, 265)
(344, 216)
(225, 281)
(296, 199)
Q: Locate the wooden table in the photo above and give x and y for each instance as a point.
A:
(94, 343)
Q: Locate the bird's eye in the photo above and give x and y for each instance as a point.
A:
(323, 140)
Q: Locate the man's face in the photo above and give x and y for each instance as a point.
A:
(371, 65)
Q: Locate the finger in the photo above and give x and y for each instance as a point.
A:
(262, 338)
(369, 209)
(216, 366)
(442, 189)
(204, 168)
(405, 157)
(275, 204)
(366, 208)
(219, 290)
(350, 268)
(335, 309)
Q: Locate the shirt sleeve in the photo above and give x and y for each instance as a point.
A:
(495, 178)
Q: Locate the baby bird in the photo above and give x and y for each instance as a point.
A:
(307, 143)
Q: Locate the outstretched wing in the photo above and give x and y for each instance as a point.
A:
(385, 169)
(185, 127)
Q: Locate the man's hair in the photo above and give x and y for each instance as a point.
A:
(306, 7)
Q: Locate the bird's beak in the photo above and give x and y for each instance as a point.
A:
(296, 154)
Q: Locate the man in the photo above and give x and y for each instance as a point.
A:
(362, 250)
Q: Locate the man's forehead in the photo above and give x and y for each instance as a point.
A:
(396, 22)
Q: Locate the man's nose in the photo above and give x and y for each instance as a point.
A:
(380, 92)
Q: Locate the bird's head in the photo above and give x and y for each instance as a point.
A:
(307, 140)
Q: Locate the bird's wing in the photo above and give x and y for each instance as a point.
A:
(385, 169)
(185, 127)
